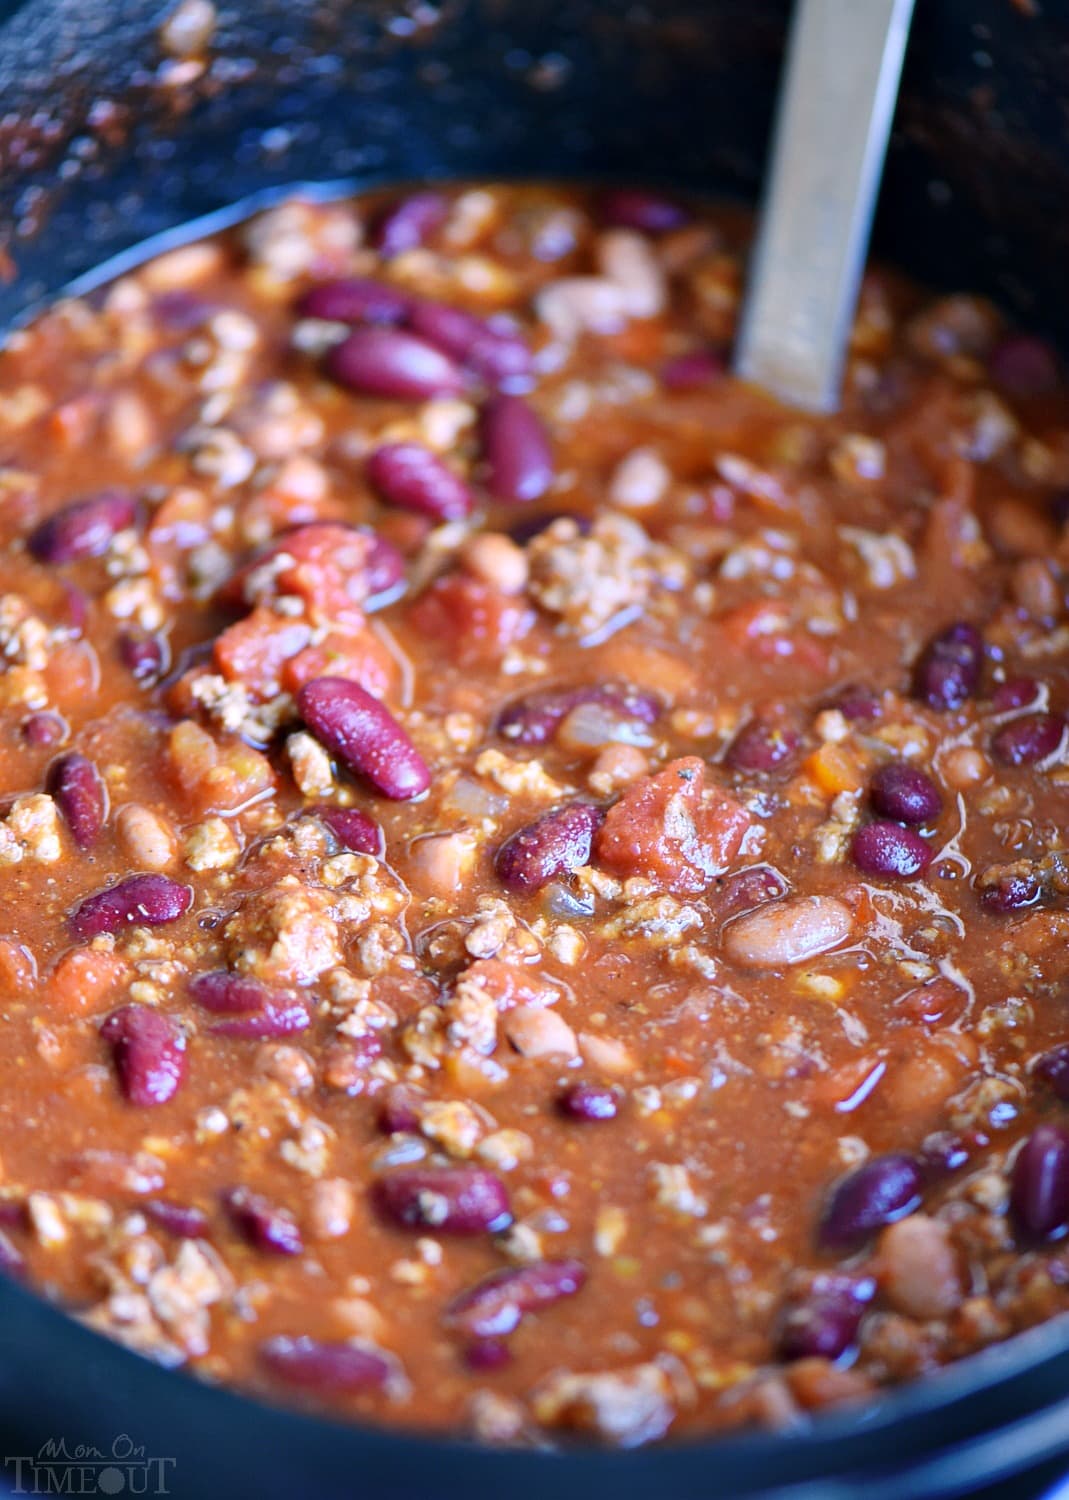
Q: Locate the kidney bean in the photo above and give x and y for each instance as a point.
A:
(635, 208)
(788, 932)
(555, 844)
(149, 1048)
(487, 1355)
(529, 527)
(1013, 890)
(519, 460)
(492, 1309)
(944, 1152)
(445, 1200)
(44, 729)
(535, 718)
(393, 364)
(824, 1323)
(746, 890)
(79, 793)
(1029, 739)
(588, 1101)
(494, 352)
(408, 224)
(364, 735)
(384, 572)
(278, 1018)
(410, 476)
(137, 901)
(859, 706)
(948, 669)
(879, 1192)
(1017, 692)
(692, 371)
(326, 1366)
(399, 1113)
(356, 299)
(890, 851)
(761, 746)
(261, 1224)
(180, 1219)
(1024, 366)
(1039, 1185)
(905, 793)
(12, 1261)
(1053, 1068)
(84, 529)
(252, 1009)
(353, 829)
(144, 656)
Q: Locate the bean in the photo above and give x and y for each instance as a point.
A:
(538, 1031)
(885, 1189)
(12, 1261)
(486, 1355)
(179, 1219)
(1017, 692)
(445, 1200)
(1053, 1068)
(824, 1323)
(412, 477)
(1024, 366)
(326, 1366)
(761, 746)
(1012, 890)
(84, 529)
(788, 932)
(261, 1224)
(409, 224)
(692, 371)
(948, 669)
(555, 844)
(535, 718)
(747, 890)
(276, 1019)
(356, 299)
(516, 447)
(588, 1101)
(393, 364)
(905, 793)
(144, 656)
(493, 351)
(859, 706)
(251, 1008)
(890, 851)
(492, 1309)
(399, 1113)
(529, 527)
(138, 901)
(944, 1152)
(146, 836)
(149, 1048)
(1039, 1185)
(635, 208)
(1027, 740)
(364, 736)
(918, 1268)
(79, 793)
(45, 729)
(353, 829)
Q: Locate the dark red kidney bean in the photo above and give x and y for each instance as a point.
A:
(14, 1214)
(859, 706)
(278, 1018)
(356, 299)
(635, 208)
(144, 656)
(881, 1191)
(84, 529)
(487, 1355)
(760, 746)
(384, 571)
(138, 901)
(1024, 366)
(555, 844)
(692, 371)
(492, 1309)
(353, 829)
(44, 729)
(365, 736)
(746, 890)
(944, 1152)
(446, 1200)
(1053, 1069)
(325, 1366)
(261, 1223)
(519, 459)
(889, 851)
(493, 351)
(399, 1113)
(584, 1100)
(410, 223)
(948, 669)
(180, 1219)
(536, 717)
(75, 783)
(905, 793)
(12, 1261)
(1039, 1185)
(1013, 891)
(1029, 739)
(149, 1048)
(251, 1008)
(824, 1323)
(391, 363)
(1017, 692)
(529, 527)
(410, 476)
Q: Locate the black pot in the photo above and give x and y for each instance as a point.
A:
(103, 146)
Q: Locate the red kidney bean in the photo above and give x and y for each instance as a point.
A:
(824, 1323)
(692, 371)
(364, 736)
(277, 1018)
(584, 1100)
(12, 1261)
(1029, 739)
(399, 1113)
(492, 350)
(393, 364)
(180, 1219)
(519, 460)
(44, 729)
(635, 208)
(149, 1048)
(1053, 1068)
(904, 793)
(138, 901)
(353, 829)
(384, 571)
(555, 844)
(761, 746)
(445, 1200)
(143, 655)
(859, 706)
(1011, 892)
(79, 793)
(529, 527)
(890, 851)
(746, 890)
(487, 1355)
(84, 529)
(326, 1366)
(881, 1191)
(356, 299)
(1039, 1185)
(948, 669)
(252, 1009)
(14, 1214)
(412, 477)
(1024, 366)
(410, 223)
(261, 1224)
(492, 1309)
(1017, 692)
(536, 717)
(944, 1152)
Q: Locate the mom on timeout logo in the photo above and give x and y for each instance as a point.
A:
(82, 1469)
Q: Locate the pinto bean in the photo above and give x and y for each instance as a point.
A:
(918, 1267)
(538, 1031)
(788, 932)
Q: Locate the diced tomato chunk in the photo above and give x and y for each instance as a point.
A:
(82, 981)
(215, 778)
(476, 622)
(331, 570)
(254, 651)
(358, 655)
